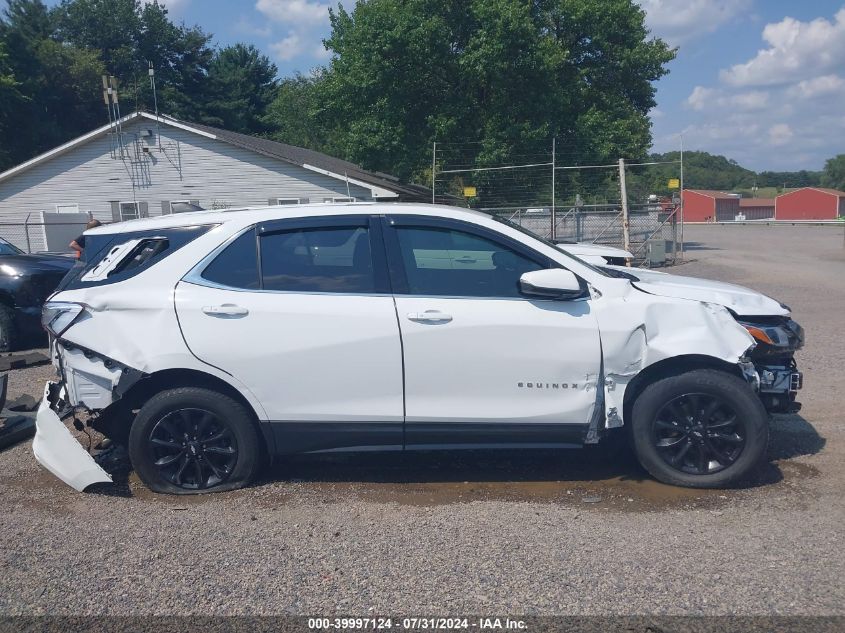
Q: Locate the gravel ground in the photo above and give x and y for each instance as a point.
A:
(523, 533)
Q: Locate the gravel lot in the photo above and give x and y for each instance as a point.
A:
(484, 533)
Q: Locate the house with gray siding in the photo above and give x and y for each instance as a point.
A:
(146, 165)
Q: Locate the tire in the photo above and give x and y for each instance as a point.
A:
(700, 429)
(8, 333)
(192, 441)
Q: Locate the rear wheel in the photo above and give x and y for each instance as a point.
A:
(7, 328)
(192, 440)
(701, 429)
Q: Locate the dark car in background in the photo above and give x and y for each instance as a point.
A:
(25, 283)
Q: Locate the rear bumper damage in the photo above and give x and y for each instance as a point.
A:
(57, 450)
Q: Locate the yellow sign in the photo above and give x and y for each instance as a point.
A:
(469, 192)
(674, 183)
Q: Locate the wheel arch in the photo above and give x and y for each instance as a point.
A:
(137, 394)
(671, 367)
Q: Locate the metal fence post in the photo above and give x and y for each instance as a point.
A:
(554, 228)
(626, 227)
(433, 167)
(26, 232)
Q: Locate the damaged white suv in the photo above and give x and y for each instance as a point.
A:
(206, 341)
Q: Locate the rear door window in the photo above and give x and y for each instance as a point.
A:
(324, 259)
(237, 265)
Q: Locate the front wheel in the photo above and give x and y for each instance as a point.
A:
(191, 440)
(701, 429)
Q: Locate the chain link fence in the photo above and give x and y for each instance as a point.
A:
(41, 236)
(542, 190)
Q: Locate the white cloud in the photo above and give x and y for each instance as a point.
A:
(246, 27)
(818, 87)
(780, 134)
(795, 50)
(294, 12)
(780, 109)
(678, 21)
(289, 47)
(305, 20)
(711, 99)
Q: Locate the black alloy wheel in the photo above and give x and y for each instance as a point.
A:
(698, 434)
(193, 448)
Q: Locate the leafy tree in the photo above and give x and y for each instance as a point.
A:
(491, 72)
(293, 114)
(130, 36)
(834, 173)
(10, 100)
(110, 26)
(58, 84)
(241, 83)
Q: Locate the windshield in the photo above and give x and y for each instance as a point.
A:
(9, 249)
(557, 247)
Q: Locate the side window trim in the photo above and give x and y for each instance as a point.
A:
(396, 264)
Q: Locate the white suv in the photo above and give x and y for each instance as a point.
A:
(205, 341)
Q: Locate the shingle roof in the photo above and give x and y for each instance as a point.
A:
(281, 151)
(302, 156)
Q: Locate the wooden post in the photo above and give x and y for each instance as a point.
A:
(626, 227)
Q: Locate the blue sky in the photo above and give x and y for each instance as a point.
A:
(760, 81)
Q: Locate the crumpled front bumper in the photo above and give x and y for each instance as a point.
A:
(57, 450)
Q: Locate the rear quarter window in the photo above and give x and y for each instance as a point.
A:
(111, 258)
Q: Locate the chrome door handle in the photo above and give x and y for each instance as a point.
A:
(227, 309)
(430, 316)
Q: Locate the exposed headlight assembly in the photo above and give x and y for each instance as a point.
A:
(58, 316)
(775, 335)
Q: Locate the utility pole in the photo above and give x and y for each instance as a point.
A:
(433, 167)
(626, 227)
(554, 227)
(682, 197)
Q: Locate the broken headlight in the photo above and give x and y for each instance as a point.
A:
(58, 316)
(773, 335)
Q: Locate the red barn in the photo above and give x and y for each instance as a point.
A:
(702, 205)
(810, 203)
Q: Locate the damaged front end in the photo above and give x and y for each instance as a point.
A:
(56, 449)
(776, 338)
(90, 383)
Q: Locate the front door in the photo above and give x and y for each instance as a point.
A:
(483, 363)
(310, 329)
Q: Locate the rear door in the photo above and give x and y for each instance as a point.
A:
(483, 363)
(300, 311)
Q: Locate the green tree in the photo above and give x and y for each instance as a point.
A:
(496, 73)
(834, 173)
(241, 86)
(10, 100)
(293, 115)
(129, 36)
(59, 84)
